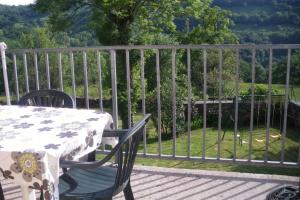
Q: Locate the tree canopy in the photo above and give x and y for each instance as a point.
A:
(122, 22)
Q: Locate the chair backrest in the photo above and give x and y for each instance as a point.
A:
(47, 98)
(126, 151)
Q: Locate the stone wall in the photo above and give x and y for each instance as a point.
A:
(244, 113)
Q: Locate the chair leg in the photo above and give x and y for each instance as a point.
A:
(1, 193)
(128, 192)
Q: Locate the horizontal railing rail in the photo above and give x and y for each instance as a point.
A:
(169, 80)
(141, 47)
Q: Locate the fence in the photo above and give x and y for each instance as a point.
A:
(58, 68)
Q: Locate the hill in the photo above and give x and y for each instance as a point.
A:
(255, 21)
(264, 21)
(18, 20)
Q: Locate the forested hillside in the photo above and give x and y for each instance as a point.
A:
(17, 21)
(255, 21)
(264, 21)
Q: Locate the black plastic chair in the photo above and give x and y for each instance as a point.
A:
(92, 180)
(47, 98)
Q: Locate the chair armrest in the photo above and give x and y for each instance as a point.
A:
(83, 165)
(114, 133)
(94, 164)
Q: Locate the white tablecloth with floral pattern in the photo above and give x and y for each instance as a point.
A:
(33, 139)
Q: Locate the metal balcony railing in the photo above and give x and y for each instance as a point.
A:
(34, 69)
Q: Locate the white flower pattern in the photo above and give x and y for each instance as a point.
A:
(61, 133)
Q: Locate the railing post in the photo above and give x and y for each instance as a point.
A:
(158, 86)
(114, 87)
(98, 55)
(189, 100)
(204, 103)
(86, 84)
(3, 58)
(73, 77)
(26, 72)
(16, 76)
(143, 98)
(174, 130)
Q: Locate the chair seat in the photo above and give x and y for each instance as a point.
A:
(87, 183)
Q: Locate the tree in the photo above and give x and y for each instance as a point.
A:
(38, 38)
(123, 22)
(280, 70)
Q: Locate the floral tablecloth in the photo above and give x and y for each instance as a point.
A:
(33, 139)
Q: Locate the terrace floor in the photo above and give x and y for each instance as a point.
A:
(176, 184)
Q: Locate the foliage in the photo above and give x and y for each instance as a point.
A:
(166, 92)
(261, 92)
(280, 69)
(246, 72)
(123, 22)
(18, 20)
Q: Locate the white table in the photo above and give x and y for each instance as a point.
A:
(33, 139)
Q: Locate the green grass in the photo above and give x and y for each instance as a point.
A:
(258, 147)
(258, 144)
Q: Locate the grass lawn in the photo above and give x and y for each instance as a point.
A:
(258, 144)
(258, 150)
(226, 151)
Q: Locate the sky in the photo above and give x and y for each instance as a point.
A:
(16, 2)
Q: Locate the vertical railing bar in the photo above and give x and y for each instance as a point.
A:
(158, 102)
(220, 102)
(143, 98)
(128, 87)
(26, 72)
(98, 54)
(36, 68)
(73, 77)
(252, 104)
(236, 114)
(298, 150)
(286, 99)
(4, 68)
(16, 76)
(189, 100)
(114, 87)
(86, 83)
(269, 106)
(48, 71)
(204, 101)
(61, 82)
(174, 100)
